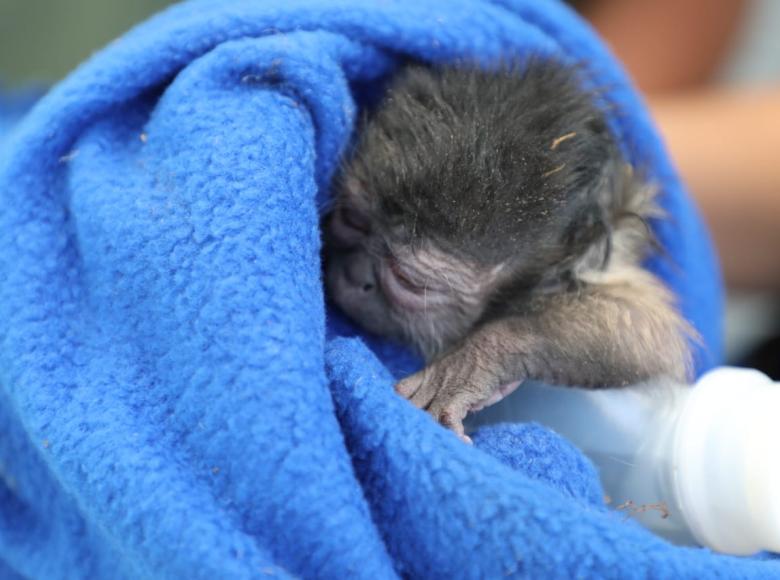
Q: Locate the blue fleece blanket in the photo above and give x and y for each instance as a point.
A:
(176, 400)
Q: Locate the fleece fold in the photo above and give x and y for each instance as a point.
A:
(178, 400)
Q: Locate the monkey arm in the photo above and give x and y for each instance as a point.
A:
(614, 331)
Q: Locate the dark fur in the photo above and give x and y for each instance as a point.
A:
(509, 183)
(463, 153)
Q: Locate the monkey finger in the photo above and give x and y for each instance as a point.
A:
(425, 393)
(421, 387)
(450, 408)
(457, 428)
(453, 421)
(410, 385)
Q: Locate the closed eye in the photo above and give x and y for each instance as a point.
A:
(410, 289)
(402, 277)
(348, 227)
(355, 220)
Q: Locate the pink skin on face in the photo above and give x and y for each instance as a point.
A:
(348, 229)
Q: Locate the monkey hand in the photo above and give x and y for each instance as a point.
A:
(455, 384)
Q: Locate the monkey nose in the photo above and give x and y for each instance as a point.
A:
(360, 272)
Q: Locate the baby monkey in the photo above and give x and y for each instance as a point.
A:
(488, 219)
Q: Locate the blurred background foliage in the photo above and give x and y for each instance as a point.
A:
(42, 40)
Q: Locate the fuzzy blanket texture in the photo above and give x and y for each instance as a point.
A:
(176, 398)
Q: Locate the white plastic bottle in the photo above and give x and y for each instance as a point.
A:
(694, 464)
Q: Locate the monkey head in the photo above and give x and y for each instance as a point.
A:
(463, 185)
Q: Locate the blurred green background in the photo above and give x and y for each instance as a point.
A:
(43, 40)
